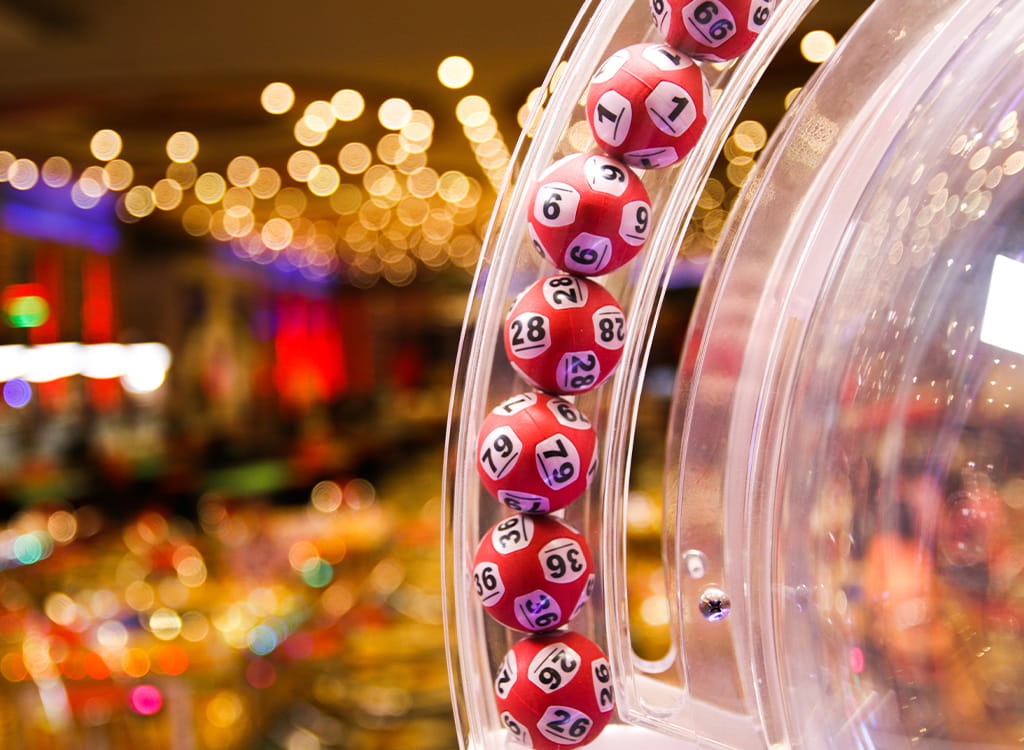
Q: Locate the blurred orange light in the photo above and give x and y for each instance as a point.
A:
(172, 660)
(95, 667)
(135, 662)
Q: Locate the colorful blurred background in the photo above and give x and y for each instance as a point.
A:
(236, 244)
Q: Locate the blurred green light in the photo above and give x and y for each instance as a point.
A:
(28, 549)
(317, 573)
(28, 311)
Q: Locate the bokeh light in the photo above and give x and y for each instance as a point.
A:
(146, 699)
(348, 105)
(455, 72)
(394, 113)
(105, 144)
(816, 46)
(277, 98)
(56, 172)
(17, 393)
(182, 146)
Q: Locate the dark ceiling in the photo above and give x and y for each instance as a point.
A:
(148, 68)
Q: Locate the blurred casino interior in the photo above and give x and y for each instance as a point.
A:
(236, 243)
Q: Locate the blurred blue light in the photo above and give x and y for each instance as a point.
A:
(17, 393)
(63, 223)
(262, 640)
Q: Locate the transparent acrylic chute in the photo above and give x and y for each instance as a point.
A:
(842, 455)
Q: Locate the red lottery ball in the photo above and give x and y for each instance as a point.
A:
(554, 691)
(533, 573)
(589, 214)
(711, 29)
(536, 452)
(647, 105)
(564, 334)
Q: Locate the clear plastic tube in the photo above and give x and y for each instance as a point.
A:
(483, 378)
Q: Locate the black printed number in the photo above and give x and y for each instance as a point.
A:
(561, 726)
(564, 291)
(532, 332)
(610, 330)
(559, 565)
(581, 370)
(485, 581)
(503, 447)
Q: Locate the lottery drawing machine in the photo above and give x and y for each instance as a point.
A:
(832, 552)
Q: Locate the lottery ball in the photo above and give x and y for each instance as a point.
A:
(589, 214)
(647, 105)
(564, 334)
(554, 691)
(536, 452)
(715, 30)
(533, 573)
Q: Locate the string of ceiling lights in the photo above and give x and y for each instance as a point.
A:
(367, 212)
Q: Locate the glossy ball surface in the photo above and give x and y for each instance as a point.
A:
(589, 214)
(565, 334)
(716, 30)
(554, 691)
(533, 573)
(536, 452)
(647, 105)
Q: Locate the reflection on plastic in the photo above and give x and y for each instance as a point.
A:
(1004, 307)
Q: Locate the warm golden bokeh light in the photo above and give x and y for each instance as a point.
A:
(323, 180)
(390, 149)
(472, 110)
(56, 172)
(817, 46)
(423, 182)
(92, 182)
(394, 113)
(277, 98)
(167, 195)
(265, 183)
(305, 135)
(6, 160)
(238, 196)
(210, 187)
(346, 199)
(238, 221)
(118, 174)
(184, 173)
(182, 147)
(105, 144)
(750, 136)
(455, 72)
(453, 186)
(354, 158)
(139, 202)
(379, 180)
(319, 115)
(23, 174)
(397, 215)
(347, 105)
(242, 170)
(417, 134)
(196, 220)
(277, 234)
(290, 202)
(301, 164)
